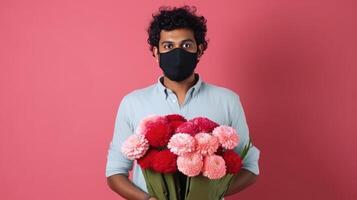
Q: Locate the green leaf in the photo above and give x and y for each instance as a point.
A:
(169, 186)
(201, 187)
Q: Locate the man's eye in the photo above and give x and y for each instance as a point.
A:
(186, 45)
(168, 46)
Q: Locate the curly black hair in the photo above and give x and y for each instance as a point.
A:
(169, 18)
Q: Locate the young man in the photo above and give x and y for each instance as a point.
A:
(177, 40)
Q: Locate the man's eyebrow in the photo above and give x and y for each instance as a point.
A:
(171, 42)
(187, 40)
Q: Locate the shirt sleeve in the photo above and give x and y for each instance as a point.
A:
(117, 163)
(238, 121)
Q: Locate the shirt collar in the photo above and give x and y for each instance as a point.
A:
(193, 90)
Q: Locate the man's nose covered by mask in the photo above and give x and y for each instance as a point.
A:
(178, 64)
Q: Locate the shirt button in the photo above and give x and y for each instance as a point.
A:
(174, 100)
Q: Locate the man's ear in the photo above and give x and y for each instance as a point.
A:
(156, 53)
(200, 51)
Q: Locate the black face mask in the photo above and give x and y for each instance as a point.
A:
(178, 64)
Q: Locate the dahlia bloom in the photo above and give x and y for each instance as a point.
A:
(175, 117)
(148, 120)
(188, 127)
(233, 161)
(204, 124)
(181, 143)
(164, 162)
(158, 133)
(190, 164)
(146, 161)
(175, 124)
(135, 146)
(206, 144)
(214, 167)
(227, 136)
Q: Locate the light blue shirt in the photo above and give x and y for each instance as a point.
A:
(219, 104)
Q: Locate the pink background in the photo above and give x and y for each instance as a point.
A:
(65, 65)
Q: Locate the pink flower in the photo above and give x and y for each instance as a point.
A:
(135, 146)
(206, 144)
(214, 167)
(190, 164)
(150, 119)
(181, 143)
(227, 136)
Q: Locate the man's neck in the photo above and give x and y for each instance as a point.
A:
(180, 88)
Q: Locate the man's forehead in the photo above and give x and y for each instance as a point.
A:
(176, 35)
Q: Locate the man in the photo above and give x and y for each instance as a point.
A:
(177, 40)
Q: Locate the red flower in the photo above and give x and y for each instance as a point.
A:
(158, 134)
(188, 127)
(205, 125)
(165, 162)
(175, 117)
(233, 161)
(147, 160)
(175, 120)
(175, 124)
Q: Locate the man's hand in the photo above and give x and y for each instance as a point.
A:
(240, 181)
(120, 184)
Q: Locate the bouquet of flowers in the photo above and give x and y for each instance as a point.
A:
(185, 159)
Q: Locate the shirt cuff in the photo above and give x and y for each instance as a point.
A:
(250, 162)
(117, 163)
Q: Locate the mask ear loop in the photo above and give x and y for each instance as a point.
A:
(158, 54)
(198, 54)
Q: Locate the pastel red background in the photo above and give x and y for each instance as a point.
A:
(65, 65)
